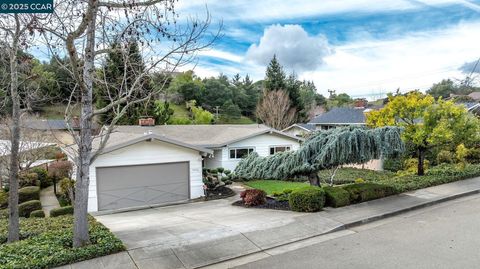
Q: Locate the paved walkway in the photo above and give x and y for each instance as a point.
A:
(201, 234)
(48, 199)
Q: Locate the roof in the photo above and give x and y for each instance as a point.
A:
(209, 136)
(341, 116)
(5, 146)
(475, 95)
(46, 124)
(118, 140)
(304, 126)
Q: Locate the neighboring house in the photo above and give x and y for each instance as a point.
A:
(58, 129)
(24, 147)
(299, 129)
(475, 96)
(338, 117)
(156, 165)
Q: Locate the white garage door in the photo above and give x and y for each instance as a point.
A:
(123, 187)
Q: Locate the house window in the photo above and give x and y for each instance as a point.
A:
(275, 149)
(240, 153)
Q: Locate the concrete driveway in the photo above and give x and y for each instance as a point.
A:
(202, 233)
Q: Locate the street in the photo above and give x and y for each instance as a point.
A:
(443, 236)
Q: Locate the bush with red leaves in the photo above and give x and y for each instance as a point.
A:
(253, 197)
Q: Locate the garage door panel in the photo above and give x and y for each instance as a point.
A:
(142, 185)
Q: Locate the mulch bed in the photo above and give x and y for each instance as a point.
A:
(270, 204)
(219, 193)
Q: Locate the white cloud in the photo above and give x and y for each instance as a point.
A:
(295, 49)
(221, 55)
(366, 67)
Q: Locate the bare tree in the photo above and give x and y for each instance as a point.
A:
(275, 109)
(84, 31)
(16, 31)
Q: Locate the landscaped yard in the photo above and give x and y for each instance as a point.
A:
(47, 242)
(271, 186)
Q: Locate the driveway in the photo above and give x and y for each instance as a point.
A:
(201, 233)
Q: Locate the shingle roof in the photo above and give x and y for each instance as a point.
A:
(46, 124)
(306, 126)
(475, 95)
(341, 115)
(203, 135)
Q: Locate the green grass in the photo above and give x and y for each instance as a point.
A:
(179, 111)
(271, 186)
(241, 120)
(47, 243)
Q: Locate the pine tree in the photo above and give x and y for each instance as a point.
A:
(120, 72)
(275, 78)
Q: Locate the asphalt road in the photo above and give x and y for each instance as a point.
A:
(444, 236)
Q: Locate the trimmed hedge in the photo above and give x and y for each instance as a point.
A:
(336, 196)
(24, 209)
(307, 199)
(28, 193)
(37, 214)
(363, 192)
(47, 243)
(67, 210)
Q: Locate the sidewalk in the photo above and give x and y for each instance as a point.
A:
(48, 199)
(242, 240)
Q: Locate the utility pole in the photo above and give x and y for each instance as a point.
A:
(332, 93)
(216, 112)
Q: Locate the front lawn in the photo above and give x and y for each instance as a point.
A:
(47, 242)
(271, 186)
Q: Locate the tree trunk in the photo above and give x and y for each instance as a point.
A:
(80, 232)
(13, 222)
(421, 159)
(314, 179)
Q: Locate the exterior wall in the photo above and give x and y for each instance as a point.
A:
(148, 153)
(261, 145)
(376, 165)
(214, 162)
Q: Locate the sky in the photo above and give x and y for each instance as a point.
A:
(364, 48)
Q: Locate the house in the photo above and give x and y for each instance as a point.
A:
(59, 129)
(299, 129)
(143, 166)
(339, 117)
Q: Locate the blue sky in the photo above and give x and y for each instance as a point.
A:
(361, 47)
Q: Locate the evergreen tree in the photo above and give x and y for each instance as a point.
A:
(324, 150)
(122, 66)
(230, 110)
(275, 78)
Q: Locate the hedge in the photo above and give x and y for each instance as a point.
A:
(362, 192)
(47, 243)
(37, 214)
(307, 199)
(336, 196)
(24, 209)
(28, 193)
(67, 210)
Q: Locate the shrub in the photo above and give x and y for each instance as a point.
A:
(367, 191)
(60, 169)
(28, 194)
(307, 199)
(66, 192)
(220, 169)
(473, 155)
(282, 196)
(27, 179)
(445, 156)
(227, 172)
(42, 175)
(393, 164)
(37, 214)
(24, 209)
(67, 210)
(336, 196)
(4, 214)
(359, 180)
(3, 199)
(253, 197)
(411, 166)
